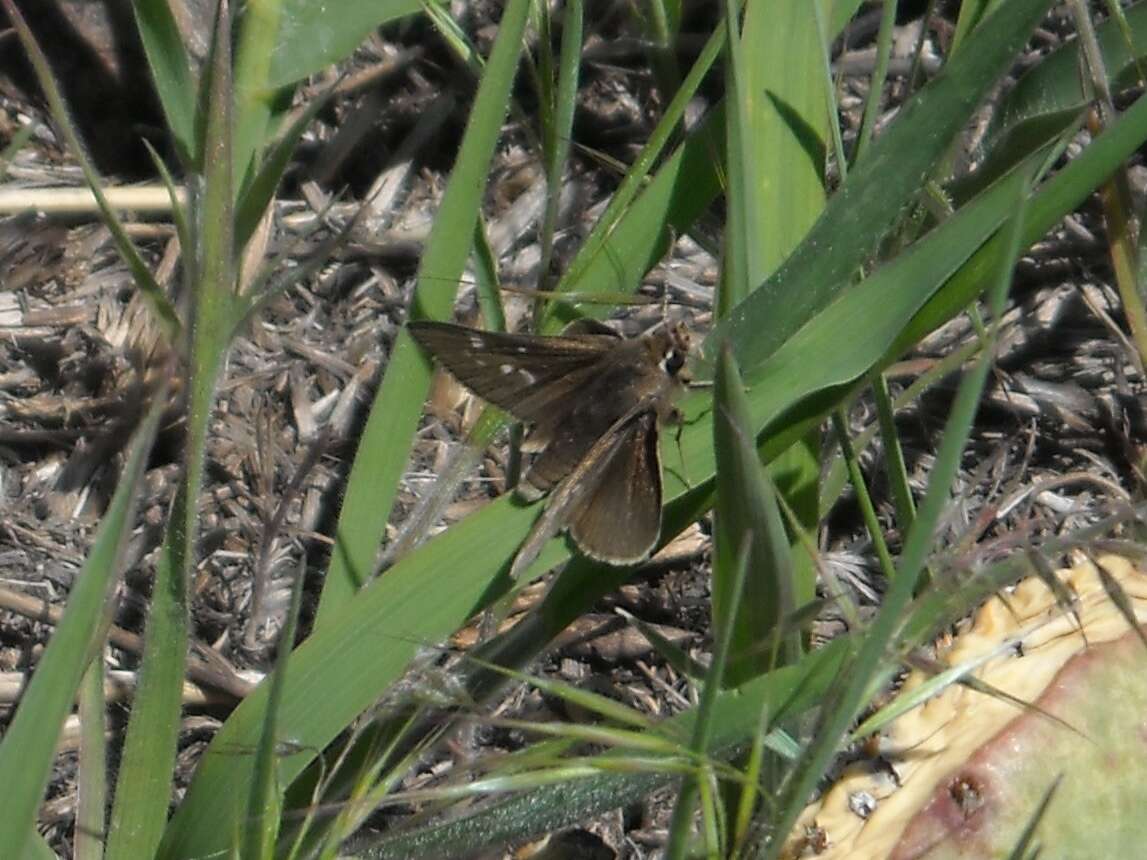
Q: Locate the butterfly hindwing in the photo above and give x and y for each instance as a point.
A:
(618, 521)
(628, 530)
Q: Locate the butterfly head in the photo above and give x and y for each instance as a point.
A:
(671, 349)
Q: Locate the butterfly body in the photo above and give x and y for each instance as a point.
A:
(595, 402)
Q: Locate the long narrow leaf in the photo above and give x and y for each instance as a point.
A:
(156, 299)
(870, 201)
(170, 71)
(143, 789)
(869, 665)
(747, 511)
(29, 744)
(385, 446)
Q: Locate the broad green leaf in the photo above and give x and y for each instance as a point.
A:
(747, 514)
(171, 72)
(314, 35)
(870, 201)
(784, 122)
(1049, 98)
(1053, 86)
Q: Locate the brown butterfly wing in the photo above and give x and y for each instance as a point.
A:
(618, 520)
(618, 383)
(528, 376)
(627, 528)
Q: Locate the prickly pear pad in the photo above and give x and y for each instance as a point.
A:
(973, 768)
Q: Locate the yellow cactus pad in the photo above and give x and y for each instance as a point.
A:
(971, 769)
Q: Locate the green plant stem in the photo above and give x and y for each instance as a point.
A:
(894, 466)
(879, 76)
(867, 509)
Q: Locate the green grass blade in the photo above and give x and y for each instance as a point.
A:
(256, 195)
(634, 231)
(735, 573)
(869, 202)
(156, 299)
(557, 141)
(630, 236)
(255, 100)
(143, 788)
(1060, 195)
(970, 15)
(1027, 837)
(171, 72)
(863, 499)
(313, 35)
(263, 804)
(92, 779)
(735, 717)
(747, 510)
(879, 75)
(742, 223)
(1053, 87)
(784, 124)
(1049, 98)
(870, 664)
(385, 446)
(29, 744)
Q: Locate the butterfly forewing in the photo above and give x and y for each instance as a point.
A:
(526, 376)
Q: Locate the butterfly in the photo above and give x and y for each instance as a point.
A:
(595, 402)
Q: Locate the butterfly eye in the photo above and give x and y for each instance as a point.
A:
(674, 361)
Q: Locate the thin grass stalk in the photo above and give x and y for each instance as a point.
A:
(264, 797)
(384, 449)
(1117, 14)
(1122, 228)
(971, 13)
(894, 467)
(1027, 837)
(92, 786)
(750, 794)
(830, 92)
(144, 790)
(662, 27)
(918, 50)
(867, 509)
(879, 76)
(635, 177)
(681, 823)
(558, 144)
